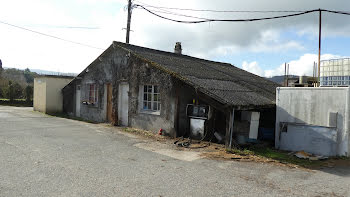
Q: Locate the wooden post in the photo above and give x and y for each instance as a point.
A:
(129, 22)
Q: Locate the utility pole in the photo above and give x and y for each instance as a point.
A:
(319, 47)
(129, 21)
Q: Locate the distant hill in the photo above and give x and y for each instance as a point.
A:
(280, 79)
(22, 77)
(47, 72)
(18, 84)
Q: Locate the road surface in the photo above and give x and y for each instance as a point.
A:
(42, 155)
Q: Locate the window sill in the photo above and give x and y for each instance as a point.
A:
(157, 113)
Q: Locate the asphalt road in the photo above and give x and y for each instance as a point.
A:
(42, 155)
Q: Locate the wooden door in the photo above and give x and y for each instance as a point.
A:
(109, 103)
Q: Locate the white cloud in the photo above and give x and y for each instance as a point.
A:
(300, 67)
(252, 67)
(22, 49)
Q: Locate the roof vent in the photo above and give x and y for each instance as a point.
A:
(178, 48)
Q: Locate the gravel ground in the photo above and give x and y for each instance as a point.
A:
(42, 155)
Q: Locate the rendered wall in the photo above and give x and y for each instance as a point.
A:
(54, 97)
(39, 95)
(48, 96)
(322, 113)
(140, 74)
(118, 66)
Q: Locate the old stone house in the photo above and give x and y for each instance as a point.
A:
(144, 88)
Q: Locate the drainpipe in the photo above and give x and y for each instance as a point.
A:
(346, 127)
(231, 127)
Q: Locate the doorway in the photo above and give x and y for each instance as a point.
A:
(77, 101)
(123, 104)
(109, 103)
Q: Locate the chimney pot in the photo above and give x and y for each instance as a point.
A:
(178, 48)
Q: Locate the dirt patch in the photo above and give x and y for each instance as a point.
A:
(258, 154)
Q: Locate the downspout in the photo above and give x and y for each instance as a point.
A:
(231, 127)
(346, 138)
(277, 124)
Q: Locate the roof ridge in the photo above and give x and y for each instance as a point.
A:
(176, 55)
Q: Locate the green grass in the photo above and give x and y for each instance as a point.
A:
(4, 99)
(284, 157)
(63, 115)
(16, 102)
(281, 156)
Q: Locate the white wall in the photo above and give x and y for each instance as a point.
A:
(39, 95)
(54, 97)
(309, 109)
(48, 96)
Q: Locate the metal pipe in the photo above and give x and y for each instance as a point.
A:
(319, 46)
(285, 73)
(231, 127)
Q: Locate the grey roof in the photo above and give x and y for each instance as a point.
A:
(224, 82)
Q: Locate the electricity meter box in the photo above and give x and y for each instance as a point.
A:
(198, 114)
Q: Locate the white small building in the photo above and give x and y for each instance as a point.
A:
(48, 96)
(315, 120)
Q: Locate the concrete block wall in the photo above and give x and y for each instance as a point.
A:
(311, 109)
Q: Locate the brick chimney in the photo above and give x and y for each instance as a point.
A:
(178, 48)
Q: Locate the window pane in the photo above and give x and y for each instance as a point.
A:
(149, 89)
(149, 97)
(144, 88)
(145, 97)
(149, 105)
(155, 97)
(156, 89)
(144, 105)
(155, 106)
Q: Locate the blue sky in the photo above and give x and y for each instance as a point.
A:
(259, 47)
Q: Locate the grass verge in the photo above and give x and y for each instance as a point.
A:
(63, 115)
(287, 157)
(16, 103)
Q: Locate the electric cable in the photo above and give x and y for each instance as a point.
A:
(226, 20)
(204, 20)
(220, 11)
(51, 36)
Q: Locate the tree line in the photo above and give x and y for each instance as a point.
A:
(16, 84)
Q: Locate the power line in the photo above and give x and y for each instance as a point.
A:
(221, 11)
(176, 14)
(48, 35)
(63, 27)
(239, 20)
(226, 20)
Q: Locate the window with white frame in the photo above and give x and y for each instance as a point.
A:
(92, 93)
(151, 98)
